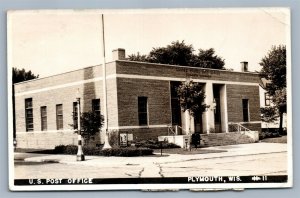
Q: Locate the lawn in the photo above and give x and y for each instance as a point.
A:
(282, 139)
(188, 152)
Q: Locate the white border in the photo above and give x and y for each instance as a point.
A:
(153, 186)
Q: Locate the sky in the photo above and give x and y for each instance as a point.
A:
(50, 42)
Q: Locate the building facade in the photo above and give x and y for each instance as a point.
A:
(141, 101)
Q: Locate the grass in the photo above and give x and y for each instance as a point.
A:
(282, 139)
(182, 151)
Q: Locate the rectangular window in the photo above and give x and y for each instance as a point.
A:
(143, 111)
(245, 110)
(267, 99)
(96, 106)
(175, 104)
(75, 115)
(28, 114)
(59, 116)
(44, 118)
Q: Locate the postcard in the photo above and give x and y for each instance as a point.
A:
(149, 99)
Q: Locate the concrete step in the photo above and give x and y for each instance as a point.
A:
(221, 139)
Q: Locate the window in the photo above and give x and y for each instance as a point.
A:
(143, 110)
(175, 104)
(267, 99)
(44, 118)
(59, 116)
(96, 106)
(245, 110)
(28, 114)
(75, 115)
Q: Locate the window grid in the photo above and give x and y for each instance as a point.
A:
(28, 114)
(267, 99)
(44, 118)
(96, 106)
(75, 115)
(59, 116)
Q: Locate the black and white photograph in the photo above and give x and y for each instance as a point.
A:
(149, 99)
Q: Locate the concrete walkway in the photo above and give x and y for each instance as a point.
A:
(243, 159)
(231, 151)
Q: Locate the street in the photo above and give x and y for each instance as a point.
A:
(241, 160)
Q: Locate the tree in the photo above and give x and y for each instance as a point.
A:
(269, 114)
(138, 57)
(179, 53)
(91, 123)
(20, 75)
(191, 97)
(274, 70)
(207, 59)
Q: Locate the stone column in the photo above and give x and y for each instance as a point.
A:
(208, 115)
(187, 123)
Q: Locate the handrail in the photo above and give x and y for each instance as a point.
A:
(239, 128)
(173, 129)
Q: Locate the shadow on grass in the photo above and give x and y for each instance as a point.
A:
(38, 151)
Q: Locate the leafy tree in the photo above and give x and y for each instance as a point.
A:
(20, 75)
(191, 97)
(269, 114)
(274, 70)
(138, 57)
(179, 53)
(207, 59)
(91, 123)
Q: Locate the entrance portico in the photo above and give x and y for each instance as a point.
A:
(214, 119)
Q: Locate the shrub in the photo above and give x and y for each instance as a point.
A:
(267, 134)
(91, 150)
(155, 144)
(126, 152)
(114, 138)
(68, 149)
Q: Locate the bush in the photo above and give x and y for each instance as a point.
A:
(155, 144)
(91, 150)
(114, 138)
(269, 134)
(126, 152)
(69, 149)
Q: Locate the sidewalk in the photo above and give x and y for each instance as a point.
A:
(230, 151)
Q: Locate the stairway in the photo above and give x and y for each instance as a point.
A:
(221, 139)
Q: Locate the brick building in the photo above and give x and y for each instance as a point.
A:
(140, 100)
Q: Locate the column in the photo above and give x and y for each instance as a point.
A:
(208, 115)
(223, 104)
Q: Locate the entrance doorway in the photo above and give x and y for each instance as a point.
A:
(198, 123)
(217, 111)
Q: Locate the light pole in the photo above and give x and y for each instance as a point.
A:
(80, 155)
